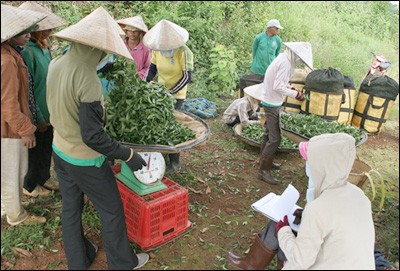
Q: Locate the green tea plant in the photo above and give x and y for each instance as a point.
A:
(140, 112)
(223, 76)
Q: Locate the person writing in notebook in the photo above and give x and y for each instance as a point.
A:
(336, 230)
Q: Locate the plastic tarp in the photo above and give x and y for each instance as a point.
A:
(201, 107)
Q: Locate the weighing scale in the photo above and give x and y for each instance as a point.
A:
(148, 179)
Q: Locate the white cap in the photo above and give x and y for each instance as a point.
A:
(274, 23)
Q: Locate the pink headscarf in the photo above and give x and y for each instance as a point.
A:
(303, 149)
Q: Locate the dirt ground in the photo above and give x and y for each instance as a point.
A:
(221, 216)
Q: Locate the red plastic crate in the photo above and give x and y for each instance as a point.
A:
(157, 217)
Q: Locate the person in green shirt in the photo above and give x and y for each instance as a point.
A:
(37, 56)
(266, 47)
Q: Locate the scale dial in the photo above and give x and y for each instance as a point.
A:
(155, 169)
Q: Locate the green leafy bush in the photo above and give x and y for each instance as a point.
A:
(223, 77)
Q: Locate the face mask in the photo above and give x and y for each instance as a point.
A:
(310, 189)
(168, 53)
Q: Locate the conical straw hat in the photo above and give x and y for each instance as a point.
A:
(303, 50)
(98, 30)
(165, 35)
(136, 22)
(255, 91)
(15, 20)
(50, 22)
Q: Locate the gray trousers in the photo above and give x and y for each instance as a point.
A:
(269, 236)
(100, 186)
(272, 132)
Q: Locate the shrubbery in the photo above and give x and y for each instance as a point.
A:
(343, 34)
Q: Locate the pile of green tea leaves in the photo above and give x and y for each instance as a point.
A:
(313, 125)
(256, 132)
(139, 112)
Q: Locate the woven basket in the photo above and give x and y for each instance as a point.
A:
(237, 130)
(357, 175)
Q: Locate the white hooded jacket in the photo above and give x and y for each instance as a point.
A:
(337, 229)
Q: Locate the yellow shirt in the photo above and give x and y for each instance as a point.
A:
(170, 69)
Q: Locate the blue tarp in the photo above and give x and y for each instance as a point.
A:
(107, 85)
(201, 107)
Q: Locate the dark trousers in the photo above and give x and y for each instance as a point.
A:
(174, 157)
(179, 104)
(269, 236)
(249, 80)
(272, 132)
(99, 184)
(237, 119)
(39, 160)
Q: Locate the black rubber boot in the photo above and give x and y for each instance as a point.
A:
(265, 170)
(174, 164)
(264, 142)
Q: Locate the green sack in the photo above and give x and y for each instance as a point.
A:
(348, 82)
(382, 86)
(325, 81)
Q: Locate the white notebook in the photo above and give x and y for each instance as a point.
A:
(275, 207)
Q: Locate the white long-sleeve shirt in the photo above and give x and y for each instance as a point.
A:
(276, 81)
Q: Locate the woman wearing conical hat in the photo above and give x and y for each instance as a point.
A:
(135, 29)
(18, 111)
(172, 60)
(81, 146)
(37, 57)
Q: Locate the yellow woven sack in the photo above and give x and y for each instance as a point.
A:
(298, 82)
(371, 112)
(325, 105)
(347, 108)
(291, 104)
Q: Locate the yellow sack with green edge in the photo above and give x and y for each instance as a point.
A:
(324, 94)
(374, 103)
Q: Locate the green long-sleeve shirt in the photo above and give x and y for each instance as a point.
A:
(37, 60)
(265, 50)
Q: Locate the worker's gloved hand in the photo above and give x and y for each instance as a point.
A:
(300, 96)
(281, 223)
(298, 214)
(136, 162)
